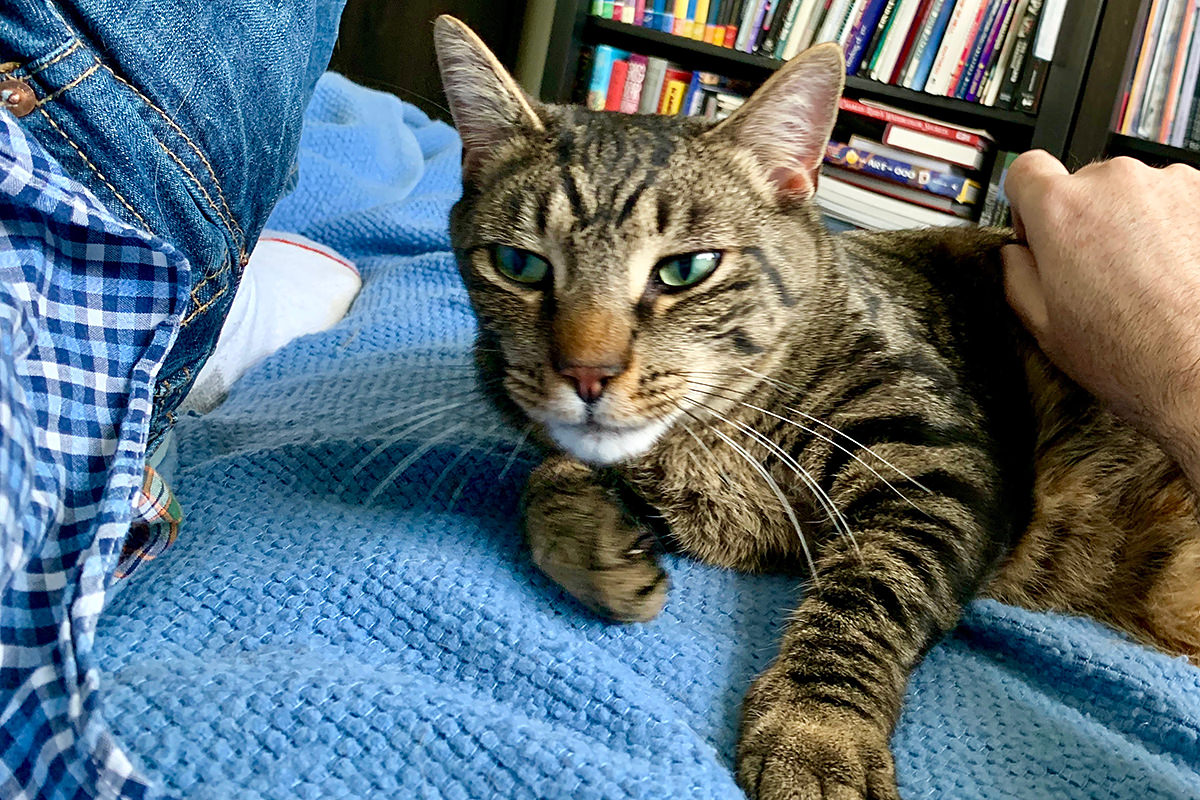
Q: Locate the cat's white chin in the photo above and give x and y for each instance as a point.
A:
(602, 446)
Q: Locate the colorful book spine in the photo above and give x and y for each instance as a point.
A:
(915, 123)
(991, 52)
(597, 8)
(925, 50)
(710, 24)
(955, 187)
(680, 18)
(908, 46)
(1175, 82)
(616, 85)
(602, 65)
(701, 16)
(997, 10)
(673, 94)
(951, 46)
(884, 63)
(876, 38)
(1156, 87)
(960, 63)
(863, 29)
(635, 79)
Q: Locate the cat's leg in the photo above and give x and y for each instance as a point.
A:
(816, 724)
(583, 536)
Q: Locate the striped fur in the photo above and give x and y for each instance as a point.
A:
(864, 411)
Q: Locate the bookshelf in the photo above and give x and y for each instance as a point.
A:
(573, 28)
(1100, 104)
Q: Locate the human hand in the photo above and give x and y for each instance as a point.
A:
(1109, 283)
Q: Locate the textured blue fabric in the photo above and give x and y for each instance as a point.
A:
(303, 640)
(88, 308)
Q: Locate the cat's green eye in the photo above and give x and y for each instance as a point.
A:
(680, 272)
(521, 266)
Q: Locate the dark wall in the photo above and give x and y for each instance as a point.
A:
(388, 44)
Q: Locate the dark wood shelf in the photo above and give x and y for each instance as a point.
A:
(1013, 128)
(1154, 153)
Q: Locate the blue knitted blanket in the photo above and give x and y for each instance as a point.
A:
(349, 611)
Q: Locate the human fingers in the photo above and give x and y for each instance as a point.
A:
(1026, 183)
(1023, 287)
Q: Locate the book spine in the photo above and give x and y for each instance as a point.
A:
(768, 24)
(830, 25)
(701, 15)
(1188, 93)
(639, 12)
(968, 44)
(616, 85)
(876, 38)
(673, 97)
(597, 8)
(771, 39)
(928, 43)
(635, 78)
(710, 22)
(1033, 81)
(851, 22)
(991, 54)
(955, 187)
(984, 42)
(857, 43)
(601, 74)
(679, 17)
(913, 123)
(1020, 54)
(656, 72)
(908, 48)
(1152, 105)
(806, 23)
(754, 28)
(900, 36)
(1175, 82)
(951, 46)
(749, 10)
(1140, 76)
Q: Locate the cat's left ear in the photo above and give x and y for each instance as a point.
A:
(786, 124)
(488, 106)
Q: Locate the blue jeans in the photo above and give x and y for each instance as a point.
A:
(183, 117)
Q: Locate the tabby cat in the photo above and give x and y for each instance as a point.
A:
(712, 369)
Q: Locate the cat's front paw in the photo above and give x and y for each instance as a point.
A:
(797, 750)
(582, 537)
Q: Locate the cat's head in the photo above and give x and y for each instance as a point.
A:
(632, 272)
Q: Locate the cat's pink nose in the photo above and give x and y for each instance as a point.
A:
(590, 381)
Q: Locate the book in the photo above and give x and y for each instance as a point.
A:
(1188, 92)
(928, 44)
(908, 46)
(679, 17)
(697, 31)
(1021, 48)
(656, 73)
(1156, 85)
(863, 29)
(1175, 82)
(908, 194)
(1191, 139)
(974, 90)
(770, 39)
(750, 9)
(916, 159)
(754, 32)
(785, 31)
(710, 22)
(868, 209)
(876, 38)
(952, 46)
(733, 26)
(972, 32)
(996, 212)
(672, 98)
(639, 12)
(601, 74)
(899, 37)
(1033, 78)
(597, 8)
(609, 9)
(992, 88)
(997, 9)
(635, 78)
(955, 188)
(915, 132)
(616, 85)
(1141, 71)
(807, 20)
(831, 23)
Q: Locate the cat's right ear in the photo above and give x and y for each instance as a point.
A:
(488, 106)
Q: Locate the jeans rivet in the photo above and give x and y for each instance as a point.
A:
(17, 97)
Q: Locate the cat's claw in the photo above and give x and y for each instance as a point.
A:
(790, 751)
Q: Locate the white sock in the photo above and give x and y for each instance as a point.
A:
(291, 286)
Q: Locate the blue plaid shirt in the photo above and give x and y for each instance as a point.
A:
(89, 307)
